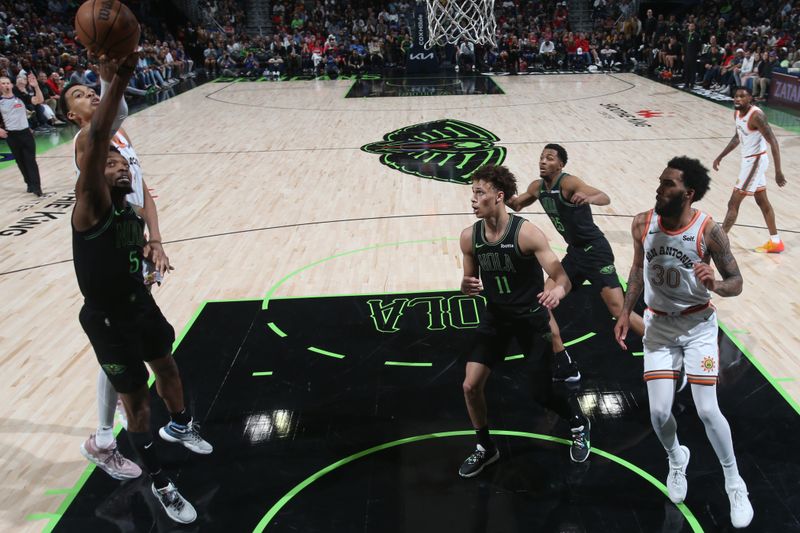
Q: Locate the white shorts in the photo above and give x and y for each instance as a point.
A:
(753, 176)
(684, 340)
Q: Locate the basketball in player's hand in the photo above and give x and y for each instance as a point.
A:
(107, 27)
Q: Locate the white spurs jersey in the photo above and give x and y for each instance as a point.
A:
(670, 284)
(752, 142)
(136, 198)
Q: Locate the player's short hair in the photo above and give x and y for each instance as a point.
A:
(562, 153)
(744, 88)
(499, 176)
(63, 105)
(695, 175)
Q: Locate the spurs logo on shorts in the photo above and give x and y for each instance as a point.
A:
(709, 364)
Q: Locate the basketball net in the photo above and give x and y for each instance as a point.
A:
(450, 21)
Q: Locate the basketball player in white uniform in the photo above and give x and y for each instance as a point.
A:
(100, 448)
(672, 247)
(754, 134)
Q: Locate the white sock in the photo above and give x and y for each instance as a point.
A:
(106, 406)
(661, 393)
(717, 428)
(104, 438)
(775, 238)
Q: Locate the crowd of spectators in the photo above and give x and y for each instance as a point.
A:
(38, 37)
(736, 42)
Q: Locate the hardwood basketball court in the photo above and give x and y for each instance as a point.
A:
(263, 191)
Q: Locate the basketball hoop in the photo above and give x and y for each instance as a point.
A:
(450, 21)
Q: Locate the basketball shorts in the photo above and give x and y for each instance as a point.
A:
(753, 175)
(688, 341)
(498, 328)
(593, 262)
(123, 345)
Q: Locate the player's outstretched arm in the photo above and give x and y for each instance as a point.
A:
(579, 192)
(92, 194)
(533, 241)
(719, 248)
(521, 201)
(470, 283)
(759, 122)
(733, 143)
(635, 279)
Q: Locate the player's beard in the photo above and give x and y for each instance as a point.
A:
(672, 208)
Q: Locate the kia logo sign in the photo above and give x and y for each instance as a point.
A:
(421, 56)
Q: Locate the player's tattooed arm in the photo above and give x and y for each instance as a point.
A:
(635, 280)
(759, 122)
(719, 247)
(734, 142)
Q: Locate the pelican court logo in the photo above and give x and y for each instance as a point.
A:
(442, 150)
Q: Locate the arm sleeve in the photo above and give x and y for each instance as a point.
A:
(122, 111)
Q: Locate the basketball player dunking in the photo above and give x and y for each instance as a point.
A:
(567, 200)
(672, 246)
(120, 317)
(753, 133)
(100, 447)
(503, 258)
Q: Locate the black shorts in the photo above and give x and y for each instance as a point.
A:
(498, 328)
(594, 261)
(123, 345)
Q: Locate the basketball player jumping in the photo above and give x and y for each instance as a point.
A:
(120, 317)
(77, 106)
(567, 200)
(753, 133)
(672, 245)
(503, 258)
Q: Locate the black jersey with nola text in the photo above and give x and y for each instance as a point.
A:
(108, 263)
(511, 281)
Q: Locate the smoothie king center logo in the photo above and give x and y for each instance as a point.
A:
(443, 150)
(639, 118)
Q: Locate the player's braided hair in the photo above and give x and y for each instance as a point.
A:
(499, 176)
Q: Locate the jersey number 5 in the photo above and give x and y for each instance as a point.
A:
(134, 262)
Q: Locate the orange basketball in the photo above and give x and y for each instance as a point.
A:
(107, 27)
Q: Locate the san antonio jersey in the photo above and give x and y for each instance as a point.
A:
(670, 284)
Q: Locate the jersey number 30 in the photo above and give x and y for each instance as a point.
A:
(672, 276)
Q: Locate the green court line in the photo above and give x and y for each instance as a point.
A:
(760, 368)
(513, 357)
(402, 363)
(580, 339)
(278, 331)
(42, 516)
(354, 457)
(325, 352)
(59, 491)
(271, 291)
(265, 373)
(70, 496)
(740, 331)
(781, 380)
(637, 354)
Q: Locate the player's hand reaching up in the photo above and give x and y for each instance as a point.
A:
(705, 274)
(550, 298)
(471, 286)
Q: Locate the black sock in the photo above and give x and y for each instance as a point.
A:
(564, 353)
(146, 450)
(183, 418)
(484, 439)
(160, 479)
